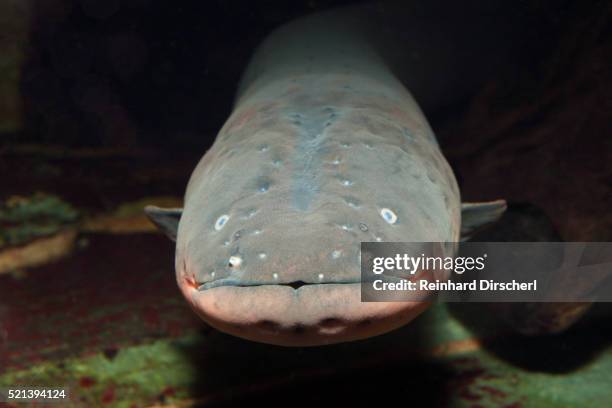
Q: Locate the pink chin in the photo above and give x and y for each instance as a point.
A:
(312, 315)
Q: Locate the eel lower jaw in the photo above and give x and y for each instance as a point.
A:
(311, 315)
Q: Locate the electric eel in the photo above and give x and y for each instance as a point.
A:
(325, 148)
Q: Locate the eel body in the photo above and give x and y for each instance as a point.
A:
(325, 149)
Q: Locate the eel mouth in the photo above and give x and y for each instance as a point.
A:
(295, 285)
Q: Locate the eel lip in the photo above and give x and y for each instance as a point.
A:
(296, 285)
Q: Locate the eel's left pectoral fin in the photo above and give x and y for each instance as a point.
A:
(475, 216)
(166, 219)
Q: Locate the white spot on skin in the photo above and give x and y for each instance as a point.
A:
(345, 227)
(262, 255)
(212, 274)
(221, 221)
(352, 203)
(321, 276)
(257, 232)
(275, 276)
(346, 182)
(235, 261)
(336, 254)
(388, 215)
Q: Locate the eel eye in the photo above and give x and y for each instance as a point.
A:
(388, 215)
(220, 223)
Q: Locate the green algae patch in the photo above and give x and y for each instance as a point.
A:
(481, 379)
(141, 375)
(23, 219)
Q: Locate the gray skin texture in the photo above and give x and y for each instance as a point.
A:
(325, 149)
